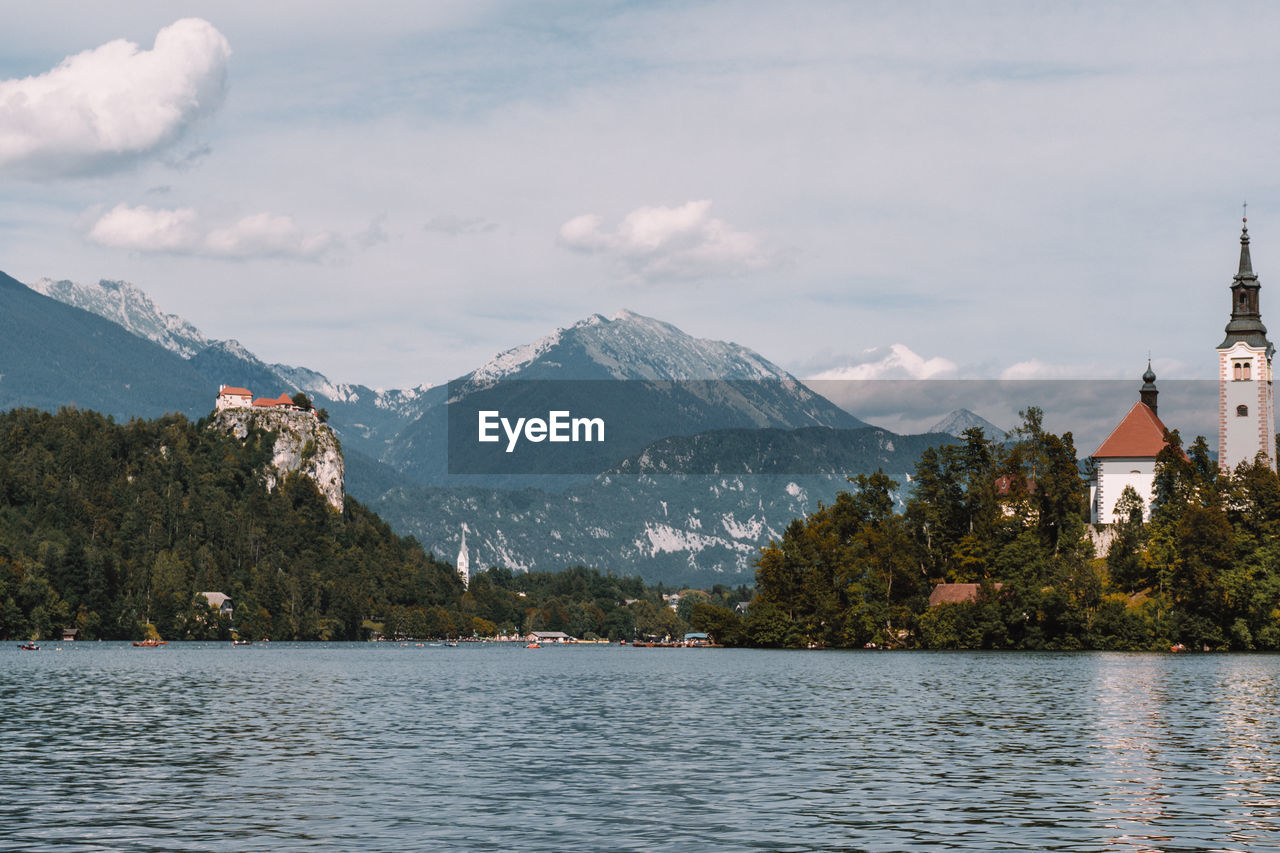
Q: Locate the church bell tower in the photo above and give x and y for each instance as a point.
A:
(1246, 408)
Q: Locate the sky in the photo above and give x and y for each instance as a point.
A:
(394, 193)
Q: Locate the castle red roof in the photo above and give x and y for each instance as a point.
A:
(235, 392)
(1139, 435)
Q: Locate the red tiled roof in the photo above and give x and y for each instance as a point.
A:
(1140, 434)
(1005, 483)
(957, 593)
(282, 400)
(235, 392)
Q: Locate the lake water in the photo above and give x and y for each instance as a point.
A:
(382, 747)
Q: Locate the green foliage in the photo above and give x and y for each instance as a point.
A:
(110, 528)
(1204, 571)
(116, 530)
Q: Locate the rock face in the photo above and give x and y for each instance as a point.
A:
(303, 444)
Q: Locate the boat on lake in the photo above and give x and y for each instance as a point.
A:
(28, 647)
(150, 643)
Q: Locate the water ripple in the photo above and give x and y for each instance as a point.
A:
(205, 747)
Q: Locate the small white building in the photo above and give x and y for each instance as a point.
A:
(1128, 457)
(221, 602)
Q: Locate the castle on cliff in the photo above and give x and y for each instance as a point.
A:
(230, 397)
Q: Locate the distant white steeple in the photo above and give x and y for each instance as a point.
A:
(464, 561)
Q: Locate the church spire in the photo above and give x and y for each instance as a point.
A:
(1246, 263)
(1148, 393)
(1246, 315)
(464, 561)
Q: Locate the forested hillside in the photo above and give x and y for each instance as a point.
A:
(116, 529)
(111, 528)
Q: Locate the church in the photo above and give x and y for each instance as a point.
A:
(1246, 408)
(1128, 456)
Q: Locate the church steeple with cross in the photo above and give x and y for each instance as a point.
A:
(1246, 406)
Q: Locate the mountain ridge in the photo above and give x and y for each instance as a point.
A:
(956, 422)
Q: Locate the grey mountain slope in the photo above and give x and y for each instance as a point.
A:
(53, 355)
(361, 416)
(129, 307)
(685, 510)
(666, 526)
(955, 423)
(646, 379)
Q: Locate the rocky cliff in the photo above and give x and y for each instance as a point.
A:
(303, 444)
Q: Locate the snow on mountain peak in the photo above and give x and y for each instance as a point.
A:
(628, 346)
(129, 307)
(955, 423)
(509, 362)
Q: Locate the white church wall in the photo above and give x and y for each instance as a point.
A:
(1116, 473)
(1242, 436)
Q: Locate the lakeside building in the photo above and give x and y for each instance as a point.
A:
(958, 593)
(221, 602)
(548, 637)
(1128, 456)
(1246, 406)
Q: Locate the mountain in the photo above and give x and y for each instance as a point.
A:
(54, 355)
(645, 379)
(962, 419)
(364, 418)
(129, 308)
(687, 510)
(712, 450)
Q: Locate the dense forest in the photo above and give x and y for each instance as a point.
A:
(116, 529)
(1204, 571)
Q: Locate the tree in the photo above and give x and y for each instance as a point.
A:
(721, 624)
(1124, 559)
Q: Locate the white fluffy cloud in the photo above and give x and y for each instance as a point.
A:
(896, 361)
(262, 235)
(100, 108)
(669, 243)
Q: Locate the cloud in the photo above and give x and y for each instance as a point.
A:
(897, 361)
(375, 234)
(457, 226)
(669, 243)
(147, 230)
(100, 109)
(1035, 368)
(188, 160)
(261, 235)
